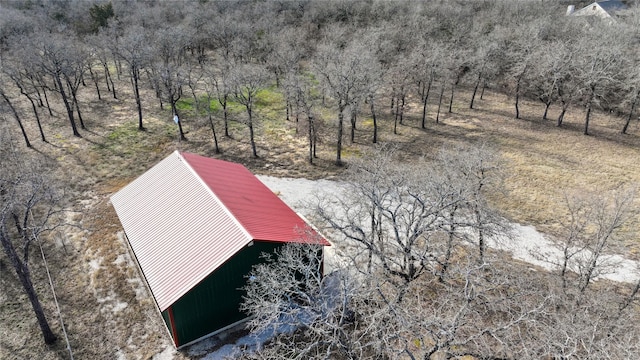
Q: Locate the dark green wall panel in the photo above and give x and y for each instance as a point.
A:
(214, 303)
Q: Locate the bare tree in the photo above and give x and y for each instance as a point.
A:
(209, 83)
(25, 80)
(286, 53)
(399, 81)
(301, 89)
(544, 85)
(222, 84)
(566, 81)
(595, 223)
(458, 63)
(424, 73)
(172, 78)
(633, 96)
(520, 60)
(305, 313)
(599, 68)
(389, 215)
(54, 58)
(133, 50)
(342, 73)
(248, 80)
(477, 170)
(483, 63)
(169, 71)
(29, 205)
(14, 112)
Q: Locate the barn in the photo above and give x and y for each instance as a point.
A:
(196, 226)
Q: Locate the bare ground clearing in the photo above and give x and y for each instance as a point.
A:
(109, 317)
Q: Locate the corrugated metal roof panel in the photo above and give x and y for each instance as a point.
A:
(189, 214)
(253, 204)
(178, 231)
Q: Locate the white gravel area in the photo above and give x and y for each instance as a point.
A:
(527, 244)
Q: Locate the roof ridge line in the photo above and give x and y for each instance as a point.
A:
(213, 194)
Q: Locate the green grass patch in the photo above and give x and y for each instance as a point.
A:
(269, 97)
(214, 105)
(185, 104)
(353, 153)
(235, 107)
(124, 133)
(126, 140)
(188, 105)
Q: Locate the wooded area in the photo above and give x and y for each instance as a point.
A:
(425, 284)
(358, 55)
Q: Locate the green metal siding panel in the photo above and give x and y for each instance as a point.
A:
(165, 317)
(214, 303)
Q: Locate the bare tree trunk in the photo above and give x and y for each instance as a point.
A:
(453, 88)
(423, 124)
(286, 105)
(254, 151)
(73, 90)
(310, 134)
(118, 68)
(518, 97)
(225, 116)
(106, 76)
(315, 142)
(213, 131)
(481, 240)
(77, 104)
(95, 82)
(67, 106)
(440, 103)
(110, 80)
(475, 90)
(562, 112)
(40, 103)
(375, 121)
(17, 117)
(46, 100)
(353, 126)
(546, 110)
(175, 112)
(339, 142)
(449, 250)
(402, 103)
(35, 112)
(425, 98)
(22, 270)
(136, 91)
(395, 124)
(589, 102)
(633, 106)
(395, 121)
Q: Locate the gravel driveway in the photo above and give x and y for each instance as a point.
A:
(527, 244)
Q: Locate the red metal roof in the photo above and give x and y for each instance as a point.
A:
(189, 214)
(253, 204)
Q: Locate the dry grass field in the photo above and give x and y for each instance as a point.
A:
(106, 309)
